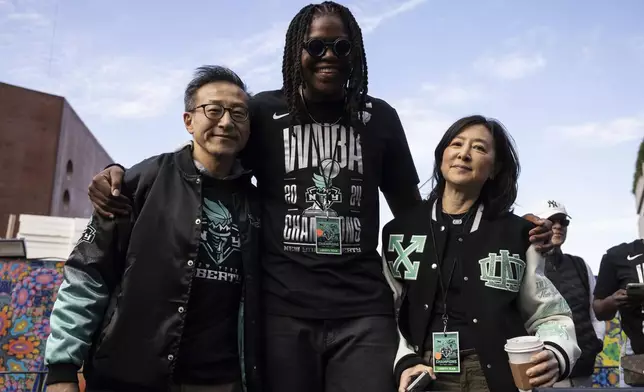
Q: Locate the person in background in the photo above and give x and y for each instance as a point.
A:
(155, 301)
(574, 279)
(621, 265)
(470, 276)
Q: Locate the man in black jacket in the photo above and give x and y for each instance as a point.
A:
(154, 301)
(574, 279)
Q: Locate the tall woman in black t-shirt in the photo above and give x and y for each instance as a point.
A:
(470, 277)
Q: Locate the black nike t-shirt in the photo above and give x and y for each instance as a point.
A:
(321, 167)
(621, 265)
(208, 352)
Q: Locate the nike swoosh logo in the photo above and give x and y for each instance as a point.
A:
(631, 258)
(278, 116)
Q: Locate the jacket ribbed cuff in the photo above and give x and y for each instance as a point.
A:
(62, 372)
(562, 358)
(405, 363)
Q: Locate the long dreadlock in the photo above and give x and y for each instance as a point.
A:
(356, 85)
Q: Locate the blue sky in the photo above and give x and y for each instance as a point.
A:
(563, 76)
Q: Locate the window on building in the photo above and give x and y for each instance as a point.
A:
(70, 169)
(66, 200)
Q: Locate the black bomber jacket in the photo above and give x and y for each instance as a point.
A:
(103, 319)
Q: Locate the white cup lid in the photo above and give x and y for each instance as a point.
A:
(523, 343)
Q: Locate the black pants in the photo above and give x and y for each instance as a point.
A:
(340, 355)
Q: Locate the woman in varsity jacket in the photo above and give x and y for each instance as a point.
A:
(466, 277)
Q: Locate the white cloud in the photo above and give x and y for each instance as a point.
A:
(511, 66)
(419, 119)
(590, 238)
(531, 39)
(263, 76)
(452, 94)
(270, 42)
(587, 52)
(28, 17)
(371, 22)
(590, 44)
(426, 116)
(637, 44)
(117, 89)
(265, 43)
(7, 5)
(132, 86)
(518, 56)
(601, 133)
(424, 126)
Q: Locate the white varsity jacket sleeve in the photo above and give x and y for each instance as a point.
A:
(547, 313)
(598, 326)
(404, 349)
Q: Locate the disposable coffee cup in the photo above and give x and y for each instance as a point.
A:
(520, 351)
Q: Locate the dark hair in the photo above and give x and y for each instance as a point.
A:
(498, 194)
(356, 86)
(209, 74)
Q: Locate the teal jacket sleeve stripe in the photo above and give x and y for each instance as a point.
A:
(89, 277)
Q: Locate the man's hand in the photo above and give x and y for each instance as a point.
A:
(407, 376)
(606, 308)
(618, 299)
(105, 193)
(63, 387)
(545, 371)
(540, 236)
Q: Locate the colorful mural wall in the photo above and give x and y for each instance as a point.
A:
(607, 362)
(27, 293)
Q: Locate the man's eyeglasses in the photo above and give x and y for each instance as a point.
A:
(215, 111)
(317, 47)
(563, 222)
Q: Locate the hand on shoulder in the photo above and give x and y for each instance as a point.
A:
(541, 235)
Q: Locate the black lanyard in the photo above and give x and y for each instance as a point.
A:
(444, 289)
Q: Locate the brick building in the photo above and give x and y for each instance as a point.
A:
(47, 156)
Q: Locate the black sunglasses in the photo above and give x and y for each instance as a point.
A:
(317, 47)
(562, 221)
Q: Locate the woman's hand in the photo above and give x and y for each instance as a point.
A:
(105, 193)
(545, 371)
(407, 376)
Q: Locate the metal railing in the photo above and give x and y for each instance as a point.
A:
(21, 378)
(41, 376)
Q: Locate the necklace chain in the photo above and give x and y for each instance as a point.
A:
(306, 107)
(459, 221)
